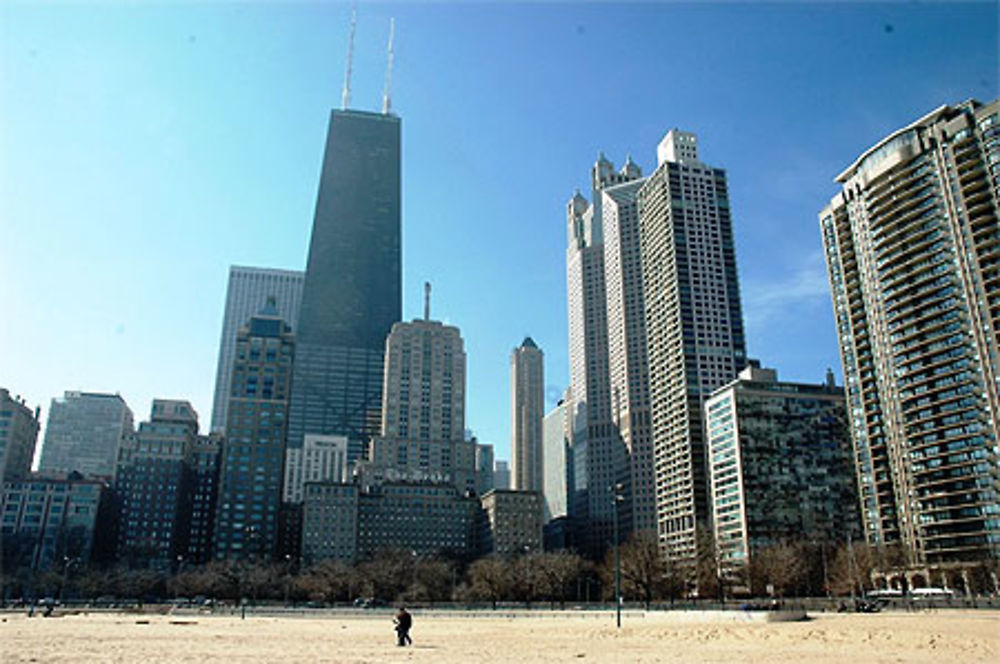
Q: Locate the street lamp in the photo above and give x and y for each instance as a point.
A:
(617, 497)
(68, 562)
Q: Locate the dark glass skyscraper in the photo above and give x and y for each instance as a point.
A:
(351, 294)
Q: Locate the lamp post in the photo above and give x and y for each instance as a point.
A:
(617, 497)
(67, 563)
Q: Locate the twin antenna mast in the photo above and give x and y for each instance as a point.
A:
(345, 95)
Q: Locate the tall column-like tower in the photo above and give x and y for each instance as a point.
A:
(599, 454)
(913, 250)
(527, 410)
(628, 365)
(694, 326)
(253, 456)
(351, 292)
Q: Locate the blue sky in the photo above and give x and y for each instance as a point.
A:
(144, 150)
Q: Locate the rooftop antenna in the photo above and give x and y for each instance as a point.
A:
(386, 96)
(427, 300)
(345, 95)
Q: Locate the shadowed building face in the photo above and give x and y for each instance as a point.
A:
(351, 293)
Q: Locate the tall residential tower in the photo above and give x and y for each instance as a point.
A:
(913, 250)
(694, 326)
(527, 409)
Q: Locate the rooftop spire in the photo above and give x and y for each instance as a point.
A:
(345, 95)
(387, 95)
(427, 300)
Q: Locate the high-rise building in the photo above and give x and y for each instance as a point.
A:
(510, 523)
(84, 434)
(351, 292)
(53, 523)
(598, 450)
(154, 486)
(501, 474)
(320, 459)
(527, 409)
(557, 482)
(423, 411)
(913, 251)
(484, 467)
(628, 364)
(780, 466)
(251, 478)
(18, 436)
(694, 326)
(249, 290)
(207, 457)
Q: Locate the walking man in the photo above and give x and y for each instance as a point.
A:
(403, 621)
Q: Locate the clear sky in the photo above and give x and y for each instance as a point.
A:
(144, 150)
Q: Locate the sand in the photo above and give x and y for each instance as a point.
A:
(949, 637)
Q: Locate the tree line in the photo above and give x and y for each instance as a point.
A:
(797, 569)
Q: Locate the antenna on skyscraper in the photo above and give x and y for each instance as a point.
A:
(427, 300)
(387, 95)
(345, 96)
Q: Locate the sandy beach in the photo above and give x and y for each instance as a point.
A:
(952, 637)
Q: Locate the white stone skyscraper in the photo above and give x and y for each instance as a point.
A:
(249, 290)
(597, 448)
(527, 410)
(628, 365)
(694, 326)
(913, 250)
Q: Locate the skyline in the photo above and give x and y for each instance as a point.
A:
(123, 113)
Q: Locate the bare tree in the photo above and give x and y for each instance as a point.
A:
(643, 568)
(706, 568)
(852, 569)
(388, 574)
(783, 567)
(434, 580)
(489, 579)
(559, 573)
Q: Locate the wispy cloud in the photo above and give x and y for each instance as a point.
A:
(767, 302)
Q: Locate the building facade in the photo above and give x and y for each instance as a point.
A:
(527, 409)
(628, 363)
(207, 457)
(598, 450)
(423, 413)
(320, 459)
(694, 327)
(55, 523)
(510, 523)
(84, 433)
(154, 487)
(780, 467)
(248, 291)
(913, 250)
(253, 457)
(501, 474)
(557, 485)
(351, 292)
(18, 437)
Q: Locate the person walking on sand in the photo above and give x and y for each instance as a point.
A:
(403, 622)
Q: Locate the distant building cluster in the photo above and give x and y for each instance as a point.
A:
(339, 431)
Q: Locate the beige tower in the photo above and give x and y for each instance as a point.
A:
(694, 327)
(527, 410)
(913, 250)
